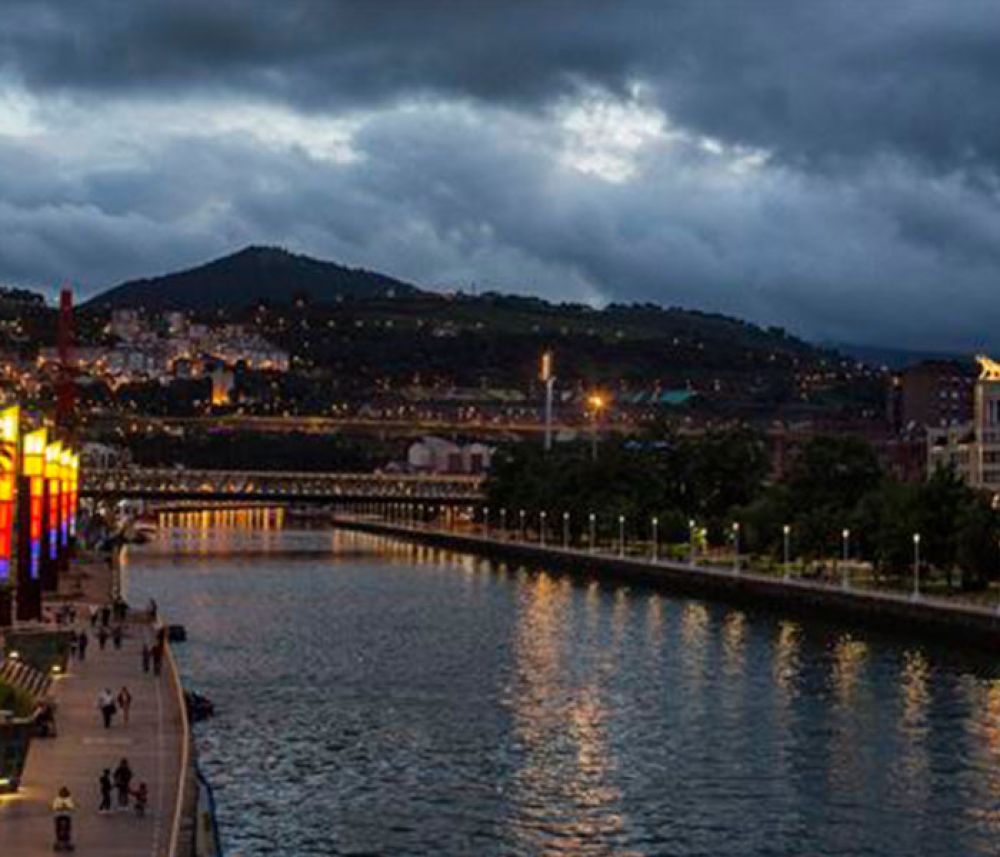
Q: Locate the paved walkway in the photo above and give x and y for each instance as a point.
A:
(83, 748)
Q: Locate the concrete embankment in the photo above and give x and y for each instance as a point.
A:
(923, 616)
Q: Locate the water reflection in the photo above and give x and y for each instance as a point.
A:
(384, 698)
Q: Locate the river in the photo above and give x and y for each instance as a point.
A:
(376, 698)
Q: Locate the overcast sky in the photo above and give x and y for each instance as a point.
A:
(833, 167)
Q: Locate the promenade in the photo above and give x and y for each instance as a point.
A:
(939, 617)
(152, 743)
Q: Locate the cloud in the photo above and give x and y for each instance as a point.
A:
(805, 166)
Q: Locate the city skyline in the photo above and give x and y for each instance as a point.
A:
(814, 170)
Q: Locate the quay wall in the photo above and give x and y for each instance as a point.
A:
(922, 616)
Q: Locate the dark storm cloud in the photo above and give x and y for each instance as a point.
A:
(829, 166)
(808, 80)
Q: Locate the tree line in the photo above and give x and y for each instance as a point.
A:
(832, 484)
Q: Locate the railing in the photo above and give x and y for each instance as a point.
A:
(185, 757)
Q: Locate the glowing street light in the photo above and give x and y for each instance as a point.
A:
(597, 403)
(521, 513)
(592, 523)
(486, 522)
(565, 530)
(691, 534)
(845, 541)
(549, 380)
(656, 538)
(503, 522)
(736, 545)
(541, 527)
(916, 565)
(786, 532)
(621, 535)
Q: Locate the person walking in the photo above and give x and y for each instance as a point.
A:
(63, 807)
(124, 703)
(157, 658)
(141, 799)
(105, 615)
(116, 636)
(123, 779)
(81, 645)
(152, 609)
(102, 637)
(106, 705)
(93, 615)
(146, 656)
(104, 784)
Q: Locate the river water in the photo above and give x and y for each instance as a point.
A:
(382, 699)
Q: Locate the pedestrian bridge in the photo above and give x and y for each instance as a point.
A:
(280, 486)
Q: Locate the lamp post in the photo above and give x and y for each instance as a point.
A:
(592, 523)
(691, 526)
(596, 402)
(786, 532)
(549, 380)
(736, 546)
(503, 523)
(565, 530)
(656, 539)
(486, 522)
(521, 513)
(621, 535)
(916, 565)
(845, 541)
(541, 528)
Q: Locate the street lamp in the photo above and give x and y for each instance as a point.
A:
(503, 523)
(656, 539)
(486, 522)
(845, 540)
(521, 513)
(549, 380)
(621, 535)
(691, 526)
(786, 532)
(565, 530)
(541, 528)
(592, 519)
(916, 565)
(597, 403)
(736, 545)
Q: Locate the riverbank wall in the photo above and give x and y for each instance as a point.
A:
(918, 616)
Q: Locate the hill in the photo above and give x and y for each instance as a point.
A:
(254, 274)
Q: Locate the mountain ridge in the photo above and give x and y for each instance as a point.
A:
(254, 273)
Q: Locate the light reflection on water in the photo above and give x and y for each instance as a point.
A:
(379, 698)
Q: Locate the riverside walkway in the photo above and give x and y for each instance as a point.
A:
(153, 743)
(910, 613)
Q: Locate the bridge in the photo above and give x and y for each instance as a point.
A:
(285, 487)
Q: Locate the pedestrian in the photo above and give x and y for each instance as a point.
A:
(63, 807)
(123, 779)
(93, 615)
(102, 637)
(73, 640)
(104, 784)
(141, 797)
(124, 703)
(105, 615)
(157, 658)
(81, 645)
(146, 655)
(153, 609)
(116, 636)
(106, 705)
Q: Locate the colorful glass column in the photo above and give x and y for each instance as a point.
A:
(65, 465)
(30, 515)
(9, 431)
(50, 550)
